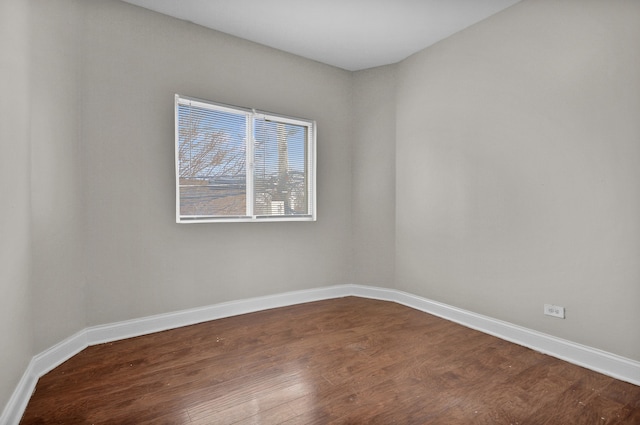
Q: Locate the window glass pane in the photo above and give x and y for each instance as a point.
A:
(239, 164)
(212, 162)
(280, 174)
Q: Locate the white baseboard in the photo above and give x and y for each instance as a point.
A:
(591, 358)
(20, 397)
(600, 361)
(146, 325)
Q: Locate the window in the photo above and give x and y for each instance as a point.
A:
(237, 164)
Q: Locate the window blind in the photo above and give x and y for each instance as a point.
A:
(238, 164)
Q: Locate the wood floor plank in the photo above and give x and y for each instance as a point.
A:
(342, 361)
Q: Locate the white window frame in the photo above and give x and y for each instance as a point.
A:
(251, 114)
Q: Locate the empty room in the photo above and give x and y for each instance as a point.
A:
(330, 212)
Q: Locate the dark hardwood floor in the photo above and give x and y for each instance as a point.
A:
(343, 361)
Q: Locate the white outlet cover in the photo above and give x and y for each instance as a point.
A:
(554, 310)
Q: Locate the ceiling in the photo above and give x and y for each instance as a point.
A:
(349, 34)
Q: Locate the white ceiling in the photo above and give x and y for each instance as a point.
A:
(350, 34)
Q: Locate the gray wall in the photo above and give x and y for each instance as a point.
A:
(518, 177)
(41, 270)
(56, 183)
(139, 261)
(15, 235)
(373, 170)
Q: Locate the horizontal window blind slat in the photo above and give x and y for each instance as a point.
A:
(212, 170)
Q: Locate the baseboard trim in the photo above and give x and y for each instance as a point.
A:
(16, 405)
(591, 358)
(162, 322)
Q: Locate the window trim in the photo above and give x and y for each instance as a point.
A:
(251, 114)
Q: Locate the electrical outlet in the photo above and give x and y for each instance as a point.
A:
(554, 310)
